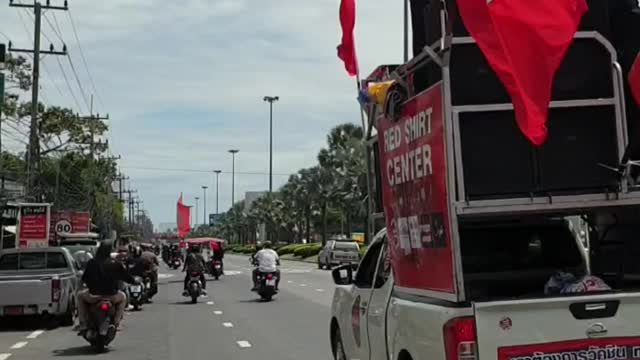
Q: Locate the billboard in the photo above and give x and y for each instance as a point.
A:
(33, 225)
(412, 161)
(214, 218)
(73, 222)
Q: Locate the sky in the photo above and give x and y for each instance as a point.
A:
(183, 82)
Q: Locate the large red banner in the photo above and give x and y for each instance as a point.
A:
(619, 348)
(72, 222)
(33, 226)
(412, 158)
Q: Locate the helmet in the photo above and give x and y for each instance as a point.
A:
(137, 251)
(82, 257)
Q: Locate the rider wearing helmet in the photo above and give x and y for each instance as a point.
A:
(195, 262)
(267, 261)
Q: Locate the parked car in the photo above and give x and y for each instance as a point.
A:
(337, 252)
(40, 281)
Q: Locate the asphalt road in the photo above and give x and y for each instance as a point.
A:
(230, 324)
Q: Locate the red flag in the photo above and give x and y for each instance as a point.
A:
(347, 48)
(524, 42)
(634, 79)
(182, 221)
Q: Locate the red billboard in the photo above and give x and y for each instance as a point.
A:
(33, 225)
(412, 162)
(68, 222)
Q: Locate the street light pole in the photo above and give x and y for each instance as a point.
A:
(196, 219)
(204, 211)
(233, 175)
(271, 100)
(217, 183)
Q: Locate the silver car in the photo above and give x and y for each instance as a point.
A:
(337, 252)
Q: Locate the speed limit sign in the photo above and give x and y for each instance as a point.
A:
(63, 226)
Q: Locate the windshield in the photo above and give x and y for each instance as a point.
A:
(346, 246)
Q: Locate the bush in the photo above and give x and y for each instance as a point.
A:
(289, 249)
(307, 250)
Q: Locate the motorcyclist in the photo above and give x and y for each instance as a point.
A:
(267, 261)
(194, 262)
(218, 254)
(102, 276)
(145, 264)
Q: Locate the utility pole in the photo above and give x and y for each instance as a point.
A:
(120, 178)
(130, 204)
(33, 155)
(204, 205)
(217, 183)
(3, 50)
(233, 175)
(196, 218)
(271, 100)
(92, 145)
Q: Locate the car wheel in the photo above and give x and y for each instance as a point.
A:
(68, 318)
(339, 354)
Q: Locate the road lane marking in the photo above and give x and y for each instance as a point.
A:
(303, 284)
(290, 282)
(243, 344)
(210, 303)
(227, 324)
(35, 334)
(4, 356)
(163, 276)
(320, 290)
(19, 345)
(218, 312)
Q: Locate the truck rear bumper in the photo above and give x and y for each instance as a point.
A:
(32, 310)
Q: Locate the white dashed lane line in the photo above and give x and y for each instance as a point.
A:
(35, 334)
(303, 285)
(243, 344)
(227, 325)
(19, 345)
(4, 356)
(218, 312)
(320, 290)
(210, 303)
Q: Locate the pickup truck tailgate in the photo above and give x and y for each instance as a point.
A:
(25, 290)
(595, 327)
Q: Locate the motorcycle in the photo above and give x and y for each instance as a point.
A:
(147, 289)
(137, 293)
(175, 263)
(216, 269)
(267, 285)
(194, 287)
(101, 330)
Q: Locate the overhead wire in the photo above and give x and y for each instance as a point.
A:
(200, 170)
(66, 80)
(75, 74)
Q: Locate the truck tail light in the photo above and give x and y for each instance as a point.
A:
(56, 291)
(460, 339)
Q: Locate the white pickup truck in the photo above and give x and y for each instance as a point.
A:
(506, 316)
(39, 281)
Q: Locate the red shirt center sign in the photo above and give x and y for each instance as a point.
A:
(412, 156)
(33, 226)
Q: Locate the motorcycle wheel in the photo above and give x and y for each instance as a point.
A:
(216, 276)
(267, 297)
(194, 299)
(136, 307)
(98, 344)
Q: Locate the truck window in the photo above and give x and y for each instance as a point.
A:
(384, 267)
(346, 246)
(367, 268)
(56, 260)
(9, 262)
(33, 261)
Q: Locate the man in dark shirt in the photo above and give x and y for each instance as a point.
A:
(102, 277)
(145, 263)
(195, 263)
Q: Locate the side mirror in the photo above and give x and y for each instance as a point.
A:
(343, 275)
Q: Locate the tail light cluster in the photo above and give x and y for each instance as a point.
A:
(56, 290)
(194, 274)
(460, 339)
(104, 307)
(269, 276)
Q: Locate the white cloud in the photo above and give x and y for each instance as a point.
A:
(152, 60)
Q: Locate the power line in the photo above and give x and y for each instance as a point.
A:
(75, 74)
(5, 35)
(198, 170)
(56, 32)
(46, 70)
(84, 60)
(66, 80)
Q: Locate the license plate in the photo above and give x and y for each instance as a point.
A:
(13, 310)
(136, 288)
(271, 282)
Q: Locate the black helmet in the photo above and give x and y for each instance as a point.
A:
(105, 250)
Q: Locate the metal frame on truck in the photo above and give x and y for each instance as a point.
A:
(459, 206)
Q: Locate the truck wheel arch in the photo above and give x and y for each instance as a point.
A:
(404, 355)
(334, 329)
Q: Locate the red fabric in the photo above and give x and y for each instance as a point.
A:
(634, 79)
(347, 49)
(183, 215)
(524, 42)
